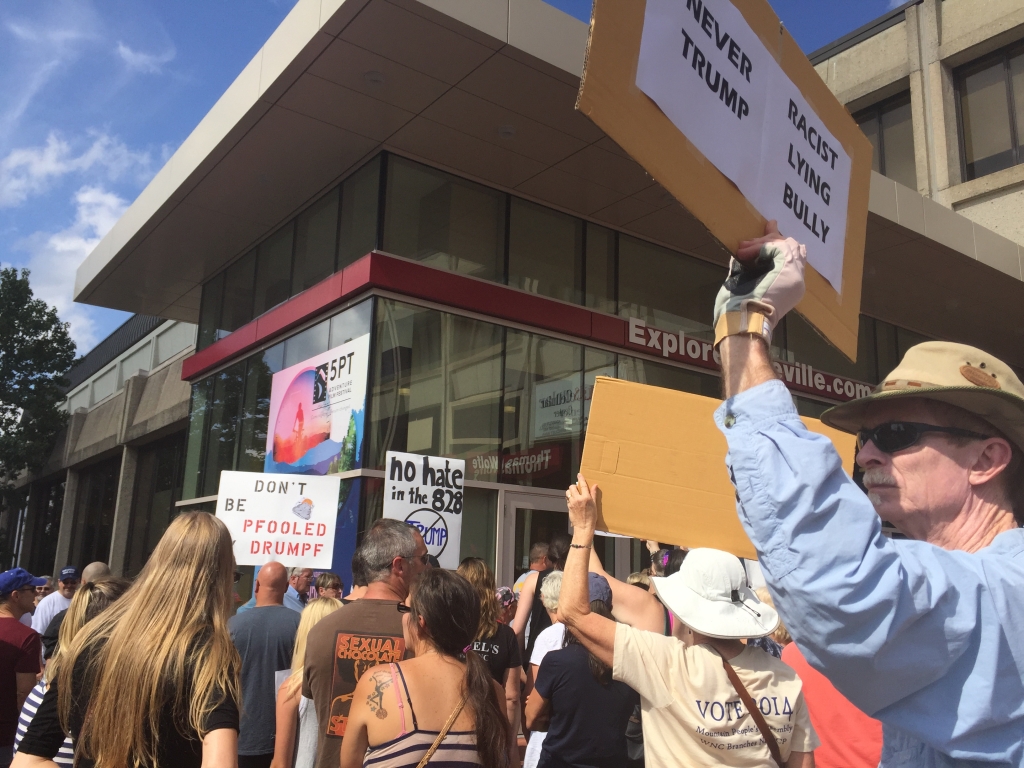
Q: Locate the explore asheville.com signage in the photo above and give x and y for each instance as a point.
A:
(287, 518)
(798, 377)
(427, 493)
(709, 72)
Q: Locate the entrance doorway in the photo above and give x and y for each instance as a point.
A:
(527, 517)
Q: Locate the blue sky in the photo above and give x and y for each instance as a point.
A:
(94, 97)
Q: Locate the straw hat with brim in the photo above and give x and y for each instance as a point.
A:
(950, 373)
(709, 594)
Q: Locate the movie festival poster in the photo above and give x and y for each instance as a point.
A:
(316, 427)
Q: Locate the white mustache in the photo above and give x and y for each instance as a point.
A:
(878, 477)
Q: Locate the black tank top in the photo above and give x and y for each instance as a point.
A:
(539, 619)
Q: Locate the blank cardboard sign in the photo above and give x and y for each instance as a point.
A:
(609, 95)
(659, 461)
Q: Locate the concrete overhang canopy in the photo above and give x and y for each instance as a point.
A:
(485, 89)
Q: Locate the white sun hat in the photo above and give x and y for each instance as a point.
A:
(710, 595)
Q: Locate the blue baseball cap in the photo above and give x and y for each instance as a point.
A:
(17, 578)
(69, 573)
(599, 589)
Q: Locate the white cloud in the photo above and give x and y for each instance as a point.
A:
(30, 170)
(148, 63)
(53, 258)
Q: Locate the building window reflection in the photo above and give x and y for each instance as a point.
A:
(444, 221)
(666, 289)
(94, 512)
(158, 485)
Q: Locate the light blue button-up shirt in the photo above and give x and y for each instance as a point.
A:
(928, 641)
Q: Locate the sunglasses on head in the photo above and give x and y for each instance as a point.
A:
(896, 436)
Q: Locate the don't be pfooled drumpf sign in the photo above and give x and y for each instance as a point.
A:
(427, 493)
(287, 518)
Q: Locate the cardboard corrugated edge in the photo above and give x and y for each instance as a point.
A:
(609, 96)
(659, 461)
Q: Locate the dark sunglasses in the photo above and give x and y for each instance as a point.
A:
(896, 436)
(238, 577)
(403, 608)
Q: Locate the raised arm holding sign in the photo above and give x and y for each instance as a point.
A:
(924, 635)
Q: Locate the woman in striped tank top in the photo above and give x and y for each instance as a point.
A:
(441, 707)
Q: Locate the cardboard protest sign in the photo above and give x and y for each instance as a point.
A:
(716, 101)
(659, 461)
(427, 492)
(287, 518)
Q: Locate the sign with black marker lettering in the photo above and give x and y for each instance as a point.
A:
(427, 492)
(716, 101)
(709, 72)
(290, 519)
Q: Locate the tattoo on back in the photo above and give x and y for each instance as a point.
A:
(375, 701)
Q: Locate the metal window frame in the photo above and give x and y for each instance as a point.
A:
(960, 75)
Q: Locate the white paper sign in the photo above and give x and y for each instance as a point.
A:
(711, 75)
(426, 492)
(287, 518)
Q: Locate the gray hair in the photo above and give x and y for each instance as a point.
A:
(386, 540)
(550, 590)
(293, 572)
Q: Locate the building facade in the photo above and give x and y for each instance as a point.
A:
(109, 487)
(416, 172)
(938, 87)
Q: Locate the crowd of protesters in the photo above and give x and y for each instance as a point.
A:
(893, 652)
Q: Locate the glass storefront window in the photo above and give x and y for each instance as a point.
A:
(230, 410)
(545, 251)
(94, 512)
(543, 411)
(209, 311)
(668, 376)
(222, 426)
(437, 386)
(158, 485)
(45, 528)
(309, 342)
(599, 274)
(360, 199)
(444, 221)
(316, 235)
(252, 428)
(274, 270)
(804, 344)
(666, 289)
(479, 525)
(238, 288)
(352, 323)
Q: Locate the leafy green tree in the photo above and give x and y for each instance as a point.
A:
(36, 353)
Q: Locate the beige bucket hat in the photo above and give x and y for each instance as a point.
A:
(951, 373)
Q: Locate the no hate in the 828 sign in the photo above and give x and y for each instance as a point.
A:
(427, 493)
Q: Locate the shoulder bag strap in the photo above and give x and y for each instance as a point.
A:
(748, 702)
(444, 732)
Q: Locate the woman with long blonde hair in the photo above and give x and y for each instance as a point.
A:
(495, 642)
(157, 672)
(296, 740)
(43, 737)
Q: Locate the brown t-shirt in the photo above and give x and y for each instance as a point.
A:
(339, 649)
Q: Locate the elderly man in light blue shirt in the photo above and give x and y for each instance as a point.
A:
(925, 634)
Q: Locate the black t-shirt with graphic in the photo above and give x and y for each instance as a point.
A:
(500, 651)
